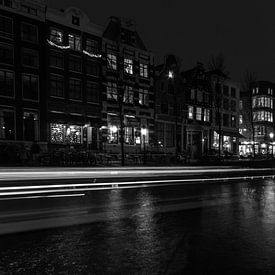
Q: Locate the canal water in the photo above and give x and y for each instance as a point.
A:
(221, 228)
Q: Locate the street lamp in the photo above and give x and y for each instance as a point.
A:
(170, 74)
(271, 135)
(143, 134)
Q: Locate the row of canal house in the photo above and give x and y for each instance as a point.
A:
(69, 83)
(257, 120)
(197, 111)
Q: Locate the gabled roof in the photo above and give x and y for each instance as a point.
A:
(116, 30)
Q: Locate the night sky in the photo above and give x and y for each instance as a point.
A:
(194, 30)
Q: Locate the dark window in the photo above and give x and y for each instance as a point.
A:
(225, 90)
(160, 133)
(206, 98)
(92, 46)
(7, 129)
(92, 90)
(29, 32)
(31, 126)
(56, 85)
(75, 63)
(233, 105)
(164, 108)
(6, 54)
(30, 58)
(6, 27)
(30, 87)
(75, 91)
(217, 118)
(75, 20)
(29, 10)
(171, 89)
(56, 59)
(225, 120)
(225, 103)
(6, 3)
(93, 68)
(233, 92)
(6, 83)
(170, 134)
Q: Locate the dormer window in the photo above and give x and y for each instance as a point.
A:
(75, 20)
(6, 3)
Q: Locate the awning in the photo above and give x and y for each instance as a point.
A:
(231, 134)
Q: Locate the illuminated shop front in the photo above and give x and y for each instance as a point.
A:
(66, 134)
(132, 130)
(229, 142)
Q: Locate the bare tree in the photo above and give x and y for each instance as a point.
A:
(247, 80)
(217, 66)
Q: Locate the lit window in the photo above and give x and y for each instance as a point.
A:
(62, 133)
(112, 91)
(57, 132)
(128, 66)
(74, 134)
(241, 119)
(128, 95)
(56, 36)
(216, 140)
(111, 62)
(112, 136)
(241, 105)
(233, 121)
(206, 115)
(143, 97)
(75, 42)
(143, 70)
(190, 112)
(7, 123)
(129, 135)
(198, 113)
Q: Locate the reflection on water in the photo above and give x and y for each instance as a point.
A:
(235, 236)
